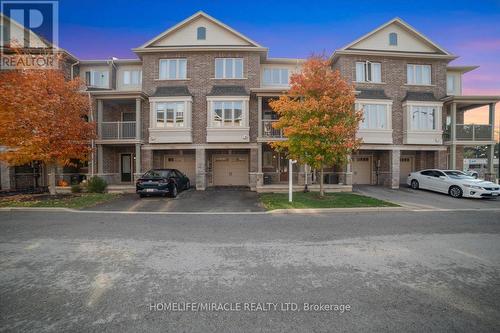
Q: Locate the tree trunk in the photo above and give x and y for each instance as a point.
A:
(321, 189)
(52, 178)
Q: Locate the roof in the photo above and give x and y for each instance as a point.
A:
(171, 91)
(371, 94)
(420, 96)
(228, 91)
(462, 69)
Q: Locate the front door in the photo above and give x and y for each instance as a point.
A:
(126, 167)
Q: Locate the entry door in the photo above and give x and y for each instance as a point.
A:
(361, 170)
(126, 167)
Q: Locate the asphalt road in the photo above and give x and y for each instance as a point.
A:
(398, 271)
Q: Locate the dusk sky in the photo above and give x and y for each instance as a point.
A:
(471, 29)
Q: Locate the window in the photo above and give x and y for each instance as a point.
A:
(132, 77)
(227, 114)
(423, 117)
(368, 72)
(201, 33)
(393, 39)
(374, 116)
(173, 69)
(450, 84)
(97, 78)
(419, 74)
(228, 68)
(170, 114)
(276, 76)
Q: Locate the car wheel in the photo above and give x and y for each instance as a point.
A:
(414, 184)
(455, 192)
(173, 192)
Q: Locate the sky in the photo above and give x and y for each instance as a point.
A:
(93, 29)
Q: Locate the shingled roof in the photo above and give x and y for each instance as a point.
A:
(171, 91)
(228, 91)
(420, 96)
(371, 94)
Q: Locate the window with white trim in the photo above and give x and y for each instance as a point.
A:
(172, 69)
(276, 76)
(423, 118)
(201, 33)
(227, 114)
(229, 68)
(450, 84)
(170, 114)
(374, 116)
(132, 77)
(367, 71)
(97, 78)
(418, 74)
(393, 39)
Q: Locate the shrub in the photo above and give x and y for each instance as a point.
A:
(76, 188)
(96, 185)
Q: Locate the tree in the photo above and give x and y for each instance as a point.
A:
(317, 117)
(43, 117)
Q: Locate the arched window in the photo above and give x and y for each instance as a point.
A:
(201, 33)
(393, 38)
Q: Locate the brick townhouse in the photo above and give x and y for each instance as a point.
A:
(197, 99)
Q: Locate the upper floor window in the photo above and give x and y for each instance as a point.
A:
(419, 74)
(451, 84)
(228, 68)
(423, 117)
(276, 76)
(173, 69)
(132, 77)
(368, 71)
(170, 114)
(201, 33)
(97, 78)
(374, 116)
(393, 39)
(227, 114)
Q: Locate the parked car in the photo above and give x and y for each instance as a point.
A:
(163, 182)
(455, 183)
(472, 173)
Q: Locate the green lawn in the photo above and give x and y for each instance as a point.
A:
(76, 201)
(312, 200)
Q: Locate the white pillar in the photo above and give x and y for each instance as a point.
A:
(453, 146)
(100, 160)
(348, 171)
(138, 171)
(260, 174)
(138, 119)
(99, 117)
(259, 112)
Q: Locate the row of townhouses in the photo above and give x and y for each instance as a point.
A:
(197, 99)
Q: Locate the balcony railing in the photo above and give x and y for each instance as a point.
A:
(470, 132)
(268, 131)
(117, 130)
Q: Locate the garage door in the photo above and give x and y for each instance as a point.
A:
(183, 163)
(405, 167)
(361, 170)
(230, 170)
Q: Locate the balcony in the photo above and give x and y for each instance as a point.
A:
(470, 133)
(118, 130)
(268, 131)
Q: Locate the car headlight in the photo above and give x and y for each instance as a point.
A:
(473, 186)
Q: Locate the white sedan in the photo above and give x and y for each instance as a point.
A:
(455, 183)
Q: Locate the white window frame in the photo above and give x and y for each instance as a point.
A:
(360, 103)
(129, 73)
(412, 70)
(224, 75)
(211, 100)
(368, 72)
(104, 75)
(409, 107)
(281, 77)
(154, 101)
(451, 89)
(166, 75)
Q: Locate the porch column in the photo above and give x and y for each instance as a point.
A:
(259, 113)
(100, 160)
(348, 171)
(5, 176)
(100, 107)
(490, 172)
(395, 167)
(201, 175)
(260, 174)
(138, 171)
(453, 137)
(254, 168)
(138, 120)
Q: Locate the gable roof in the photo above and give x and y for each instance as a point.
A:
(429, 48)
(245, 41)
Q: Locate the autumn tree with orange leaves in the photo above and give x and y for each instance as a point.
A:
(317, 117)
(43, 117)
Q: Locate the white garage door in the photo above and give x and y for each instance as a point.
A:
(405, 167)
(230, 170)
(183, 163)
(361, 170)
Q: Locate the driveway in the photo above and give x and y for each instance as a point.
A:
(423, 199)
(211, 200)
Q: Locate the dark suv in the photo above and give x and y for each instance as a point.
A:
(162, 181)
